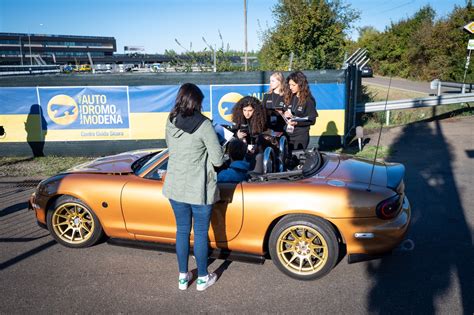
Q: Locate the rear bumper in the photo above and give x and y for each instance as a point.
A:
(382, 235)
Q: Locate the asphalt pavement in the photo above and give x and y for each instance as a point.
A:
(423, 88)
(431, 273)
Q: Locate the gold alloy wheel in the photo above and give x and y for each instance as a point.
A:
(302, 250)
(73, 223)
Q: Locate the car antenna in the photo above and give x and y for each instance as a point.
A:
(380, 135)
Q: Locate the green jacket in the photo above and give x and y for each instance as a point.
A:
(190, 175)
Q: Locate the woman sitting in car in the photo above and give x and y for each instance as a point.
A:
(249, 118)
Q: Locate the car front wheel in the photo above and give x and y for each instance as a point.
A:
(72, 223)
(304, 247)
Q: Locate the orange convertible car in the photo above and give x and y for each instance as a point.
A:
(305, 219)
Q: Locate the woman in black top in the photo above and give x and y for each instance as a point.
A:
(274, 103)
(248, 117)
(302, 110)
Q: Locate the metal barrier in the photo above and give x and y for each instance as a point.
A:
(415, 103)
(437, 85)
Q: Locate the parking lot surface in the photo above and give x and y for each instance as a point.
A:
(430, 273)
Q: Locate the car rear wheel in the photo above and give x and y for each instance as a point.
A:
(72, 223)
(304, 247)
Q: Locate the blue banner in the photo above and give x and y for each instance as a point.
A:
(85, 107)
(160, 98)
(136, 112)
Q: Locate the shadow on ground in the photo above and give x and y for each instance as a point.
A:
(416, 281)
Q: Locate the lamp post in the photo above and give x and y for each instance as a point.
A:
(29, 44)
(245, 34)
(21, 50)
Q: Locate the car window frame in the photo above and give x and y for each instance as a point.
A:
(154, 167)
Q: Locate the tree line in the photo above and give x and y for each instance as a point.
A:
(314, 34)
(421, 46)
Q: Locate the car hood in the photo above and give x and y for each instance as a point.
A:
(113, 164)
(352, 169)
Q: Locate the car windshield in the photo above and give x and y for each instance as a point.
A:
(142, 164)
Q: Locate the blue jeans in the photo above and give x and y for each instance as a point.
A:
(184, 213)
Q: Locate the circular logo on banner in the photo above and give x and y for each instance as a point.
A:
(62, 109)
(226, 103)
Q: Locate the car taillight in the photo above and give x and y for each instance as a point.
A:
(389, 208)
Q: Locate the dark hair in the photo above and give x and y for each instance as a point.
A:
(258, 121)
(188, 100)
(237, 150)
(299, 78)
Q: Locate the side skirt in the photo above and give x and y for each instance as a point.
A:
(215, 253)
(355, 258)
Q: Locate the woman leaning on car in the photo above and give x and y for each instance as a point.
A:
(302, 110)
(191, 181)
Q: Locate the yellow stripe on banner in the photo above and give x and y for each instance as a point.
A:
(143, 126)
(88, 134)
(330, 123)
(21, 128)
(146, 126)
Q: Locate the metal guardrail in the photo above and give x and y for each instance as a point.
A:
(463, 87)
(416, 102)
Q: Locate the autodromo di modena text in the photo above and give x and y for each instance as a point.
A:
(95, 110)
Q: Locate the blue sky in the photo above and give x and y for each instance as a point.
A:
(155, 24)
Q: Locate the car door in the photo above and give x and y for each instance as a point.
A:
(148, 213)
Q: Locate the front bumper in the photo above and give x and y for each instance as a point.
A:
(387, 234)
(38, 203)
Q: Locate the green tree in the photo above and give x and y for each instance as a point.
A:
(314, 30)
(421, 47)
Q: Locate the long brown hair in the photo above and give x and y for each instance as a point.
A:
(300, 79)
(258, 121)
(188, 100)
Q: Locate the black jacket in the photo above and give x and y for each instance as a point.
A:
(274, 120)
(307, 109)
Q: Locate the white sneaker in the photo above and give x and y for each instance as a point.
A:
(205, 282)
(184, 281)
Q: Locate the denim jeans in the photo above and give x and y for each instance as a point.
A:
(184, 213)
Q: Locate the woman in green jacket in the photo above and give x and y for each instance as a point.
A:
(190, 182)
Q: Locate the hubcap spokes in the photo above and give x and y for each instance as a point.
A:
(73, 223)
(302, 249)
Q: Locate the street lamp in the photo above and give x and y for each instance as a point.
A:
(245, 34)
(29, 44)
(21, 50)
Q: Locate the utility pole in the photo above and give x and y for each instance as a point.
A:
(21, 50)
(470, 46)
(29, 43)
(245, 31)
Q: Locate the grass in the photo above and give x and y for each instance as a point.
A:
(37, 167)
(368, 152)
(379, 93)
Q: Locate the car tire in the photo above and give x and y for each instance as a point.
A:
(304, 247)
(72, 223)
